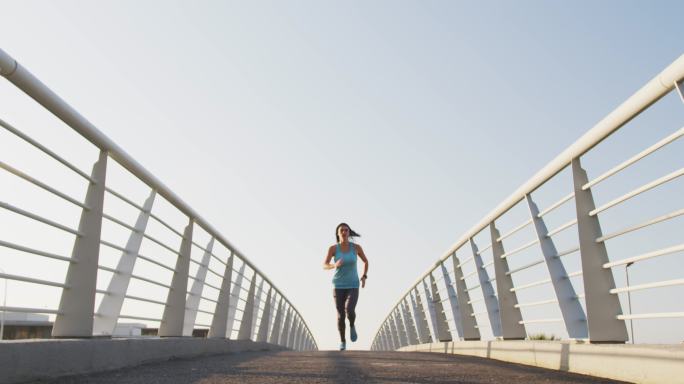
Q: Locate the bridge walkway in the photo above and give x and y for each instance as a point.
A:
(333, 367)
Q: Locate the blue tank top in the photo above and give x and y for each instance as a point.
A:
(346, 276)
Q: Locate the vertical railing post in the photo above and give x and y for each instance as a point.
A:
(174, 311)
(490, 299)
(300, 341)
(382, 339)
(379, 338)
(295, 333)
(286, 327)
(110, 306)
(235, 298)
(245, 332)
(512, 327)
(394, 332)
(430, 312)
(219, 322)
(264, 325)
(292, 342)
(421, 321)
(410, 325)
(571, 309)
(602, 306)
(298, 335)
(77, 303)
(389, 342)
(274, 310)
(289, 342)
(401, 327)
(453, 302)
(442, 327)
(392, 343)
(469, 323)
(193, 299)
(275, 333)
(257, 306)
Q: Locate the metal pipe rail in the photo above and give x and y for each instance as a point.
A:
(180, 309)
(596, 313)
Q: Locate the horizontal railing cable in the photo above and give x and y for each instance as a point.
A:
(645, 256)
(160, 243)
(557, 204)
(36, 252)
(121, 223)
(524, 267)
(661, 315)
(138, 298)
(638, 191)
(42, 185)
(515, 230)
(32, 280)
(139, 318)
(29, 310)
(656, 220)
(568, 252)
(536, 303)
(639, 287)
(124, 199)
(45, 150)
(41, 219)
(150, 281)
(165, 224)
(635, 158)
(519, 249)
(562, 228)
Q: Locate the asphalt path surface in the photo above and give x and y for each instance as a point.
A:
(332, 367)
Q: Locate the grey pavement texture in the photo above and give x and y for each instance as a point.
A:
(332, 367)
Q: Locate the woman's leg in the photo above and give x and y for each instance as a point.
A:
(352, 298)
(340, 299)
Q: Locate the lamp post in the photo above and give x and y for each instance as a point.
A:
(629, 300)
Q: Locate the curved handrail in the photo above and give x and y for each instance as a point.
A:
(650, 93)
(13, 71)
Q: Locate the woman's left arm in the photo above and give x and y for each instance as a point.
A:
(362, 256)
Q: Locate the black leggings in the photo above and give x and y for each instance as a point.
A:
(345, 301)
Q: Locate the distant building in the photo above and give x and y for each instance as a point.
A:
(36, 326)
(128, 330)
(26, 326)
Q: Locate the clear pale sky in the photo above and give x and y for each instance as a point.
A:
(409, 120)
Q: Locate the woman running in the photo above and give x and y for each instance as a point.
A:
(346, 279)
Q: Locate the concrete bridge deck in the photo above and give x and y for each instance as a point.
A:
(333, 367)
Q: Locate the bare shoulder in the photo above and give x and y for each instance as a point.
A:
(331, 249)
(357, 247)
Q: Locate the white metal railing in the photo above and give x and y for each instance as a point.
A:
(218, 296)
(480, 302)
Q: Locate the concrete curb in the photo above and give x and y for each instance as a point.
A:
(28, 360)
(634, 363)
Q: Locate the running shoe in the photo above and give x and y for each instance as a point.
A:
(352, 333)
(343, 346)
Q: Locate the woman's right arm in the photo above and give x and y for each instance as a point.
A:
(328, 258)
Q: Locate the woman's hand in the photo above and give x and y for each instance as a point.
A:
(363, 282)
(339, 263)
